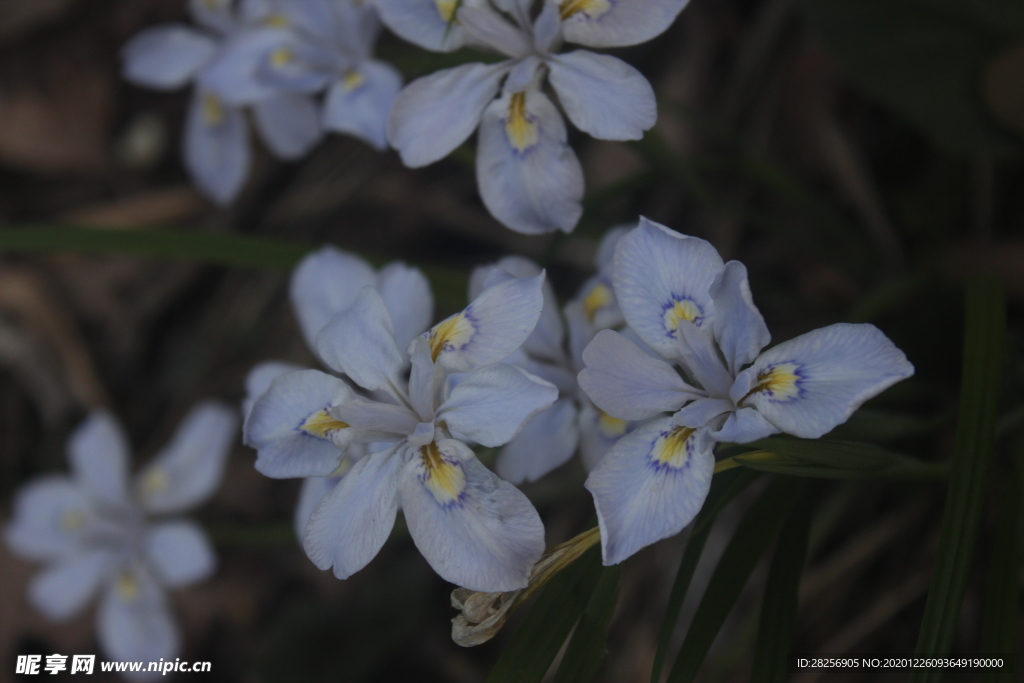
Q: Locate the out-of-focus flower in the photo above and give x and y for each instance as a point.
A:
(529, 177)
(697, 312)
(324, 284)
(94, 531)
(473, 528)
(551, 437)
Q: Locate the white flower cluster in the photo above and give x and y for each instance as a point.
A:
(274, 56)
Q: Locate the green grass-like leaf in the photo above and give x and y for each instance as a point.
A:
(982, 366)
(755, 533)
(724, 487)
(586, 650)
(835, 460)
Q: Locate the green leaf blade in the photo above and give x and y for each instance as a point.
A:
(586, 650)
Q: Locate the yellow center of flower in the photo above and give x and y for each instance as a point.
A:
(213, 110)
(281, 57)
(154, 481)
(322, 424)
(683, 309)
(126, 586)
(277, 20)
(519, 126)
(352, 80)
(592, 8)
(444, 479)
(612, 427)
(598, 297)
(445, 9)
(781, 382)
(72, 521)
(449, 334)
(670, 448)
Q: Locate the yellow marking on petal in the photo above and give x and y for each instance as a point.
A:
(281, 57)
(213, 110)
(352, 80)
(449, 334)
(598, 297)
(680, 310)
(154, 482)
(612, 427)
(277, 20)
(444, 479)
(520, 126)
(592, 8)
(127, 587)
(780, 381)
(322, 424)
(670, 448)
(72, 521)
(446, 9)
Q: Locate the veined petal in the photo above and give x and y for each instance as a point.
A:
(426, 23)
(289, 123)
(492, 403)
(51, 516)
(547, 28)
(360, 342)
(324, 284)
(474, 529)
(649, 486)
(494, 325)
(134, 621)
(607, 23)
(98, 452)
(602, 95)
(529, 177)
(189, 469)
(627, 383)
(598, 433)
(491, 29)
(546, 441)
(743, 426)
(435, 114)
(234, 71)
(359, 102)
(179, 553)
(166, 57)
(606, 247)
(313, 489)
(696, 350)
(738, 325)
(63, 590)
(702, 411)
(258, 381)
(351, 522)
(809, 385)
(406, 294)
(661, 277)
(216, 150)
(292, 428)
(373, 416)
(423, 378)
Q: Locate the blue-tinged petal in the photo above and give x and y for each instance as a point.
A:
(489, 28)
(426, 23)
(523, 74)
(474, 529)
(216, 15)
(258, 381)
(292, 428)
(351, 522)
(529, 177)
(649, 486)
(313, 489)
(235, 71)
(423, 379)
(63, 590)
(581, 331)
(435, 114)
(179, 553)
(360, 342)
(627, 383)
(51, 517)
(289, 123)
(189, 469)
(546, 441)
(373, 416)
(597, 303)
(356, 26)
(598, 433)
(602, 95)
(809, 385)
(545, 342)
(743, 426)
(548, 27)
(491, 404)
(738, 325)
(606, 247)
(661, 277)
(696, 350)
(98, 452)
(494, 325)
(166, 57)
(360, 101)
(610, 23)
(406, 294)
(216, 150)
(325, 283)
(702, 411)
(134, 621)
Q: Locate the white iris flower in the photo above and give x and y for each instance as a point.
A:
(94, 531)
(474, 529)
(697, 312)
(529, 177)
(324, 284)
